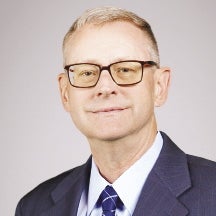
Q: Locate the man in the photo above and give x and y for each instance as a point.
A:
(111, 84)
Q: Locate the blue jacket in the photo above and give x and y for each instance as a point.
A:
(178, 185)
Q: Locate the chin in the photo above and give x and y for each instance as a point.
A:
(109, 137)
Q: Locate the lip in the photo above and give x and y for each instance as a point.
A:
(109, 110)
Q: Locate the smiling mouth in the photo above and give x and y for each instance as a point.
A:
(109, 110)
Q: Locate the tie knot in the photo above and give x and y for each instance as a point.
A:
(109, 200)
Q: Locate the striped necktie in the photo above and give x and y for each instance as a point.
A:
(110, 201)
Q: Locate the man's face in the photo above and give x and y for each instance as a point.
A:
(108, 111)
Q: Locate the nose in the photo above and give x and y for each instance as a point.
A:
(106, 86)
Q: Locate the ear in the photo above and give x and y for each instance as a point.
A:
(162, 82)
(63, 88)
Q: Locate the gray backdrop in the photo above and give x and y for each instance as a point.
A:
(37, 138)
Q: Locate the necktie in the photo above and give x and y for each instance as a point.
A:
(110, 201)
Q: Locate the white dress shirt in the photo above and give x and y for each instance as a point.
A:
(128, 186)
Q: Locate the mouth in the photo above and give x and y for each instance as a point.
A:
(109, 110)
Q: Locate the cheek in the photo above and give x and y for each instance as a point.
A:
(145, 103)
(74, 103)
(77, 101)
(146, 89)
(145, 98)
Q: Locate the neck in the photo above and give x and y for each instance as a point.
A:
(114, 157)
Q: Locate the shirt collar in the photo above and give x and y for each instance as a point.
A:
(129, 185)
(96, 186)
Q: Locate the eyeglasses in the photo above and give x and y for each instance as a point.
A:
(123, 73)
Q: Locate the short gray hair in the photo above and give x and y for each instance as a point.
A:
(103, 15)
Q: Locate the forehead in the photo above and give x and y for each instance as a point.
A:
(106, 44)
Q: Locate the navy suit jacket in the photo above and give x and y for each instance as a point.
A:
(178, 185)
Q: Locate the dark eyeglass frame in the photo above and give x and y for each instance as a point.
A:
(143, 64)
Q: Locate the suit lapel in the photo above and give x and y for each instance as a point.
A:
(67, 194)
(168, 179)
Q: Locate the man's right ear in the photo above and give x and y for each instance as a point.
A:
(63, 88)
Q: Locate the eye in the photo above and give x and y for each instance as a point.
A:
(124, 70)
(86, 73)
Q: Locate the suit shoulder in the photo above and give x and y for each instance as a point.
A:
(51, 183)
(203, 171)
(201, 162)
(40, 197)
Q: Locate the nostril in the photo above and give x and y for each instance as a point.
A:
(105, 92)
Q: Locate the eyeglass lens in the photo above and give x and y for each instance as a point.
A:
(123, 73)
